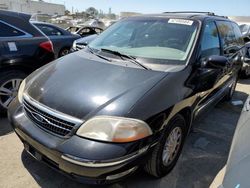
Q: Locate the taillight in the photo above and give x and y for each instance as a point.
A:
(47, 46)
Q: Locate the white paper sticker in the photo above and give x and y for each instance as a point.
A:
(12, 46)
(181, 21)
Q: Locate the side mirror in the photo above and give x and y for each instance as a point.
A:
(215, 61)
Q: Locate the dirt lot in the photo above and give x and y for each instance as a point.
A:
(204, 154)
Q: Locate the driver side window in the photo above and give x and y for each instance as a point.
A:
(210, 44)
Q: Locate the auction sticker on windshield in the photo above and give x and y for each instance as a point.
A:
(180, 21)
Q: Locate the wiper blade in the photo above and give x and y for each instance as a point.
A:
(100, 56)
(131, 58)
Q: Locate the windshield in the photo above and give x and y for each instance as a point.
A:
(158, 38)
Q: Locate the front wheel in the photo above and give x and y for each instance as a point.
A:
(168, 150)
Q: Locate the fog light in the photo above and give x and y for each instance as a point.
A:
(117, 176)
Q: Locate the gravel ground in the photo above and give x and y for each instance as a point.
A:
(204, 154)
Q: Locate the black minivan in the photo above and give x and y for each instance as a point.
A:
(128, 99)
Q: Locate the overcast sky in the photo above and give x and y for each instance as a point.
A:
(221, 7)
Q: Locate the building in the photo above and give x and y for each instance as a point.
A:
(128, 14)
(32, 7)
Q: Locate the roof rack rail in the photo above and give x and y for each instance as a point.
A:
(193, 12)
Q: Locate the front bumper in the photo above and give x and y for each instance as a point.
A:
(84, 160)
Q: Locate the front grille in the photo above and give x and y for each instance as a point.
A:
(45, 120)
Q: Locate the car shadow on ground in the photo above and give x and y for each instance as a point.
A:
(244, 81)
(5, 127)
(204, 154)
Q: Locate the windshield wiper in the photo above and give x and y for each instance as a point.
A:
(100, 56)
(122, 56)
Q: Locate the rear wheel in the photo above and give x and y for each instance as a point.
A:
(9, 85)
(63, 52)
(168, 150)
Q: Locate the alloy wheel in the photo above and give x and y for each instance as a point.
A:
(172, 146)
(64, 52)
(8, 91)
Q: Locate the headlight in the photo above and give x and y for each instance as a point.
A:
(21, 90)
(74, 45)
(114, 129)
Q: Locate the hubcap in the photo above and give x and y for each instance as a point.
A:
(8, 91)
(65, 52)
(172, 146)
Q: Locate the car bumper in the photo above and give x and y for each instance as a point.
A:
(67, 155)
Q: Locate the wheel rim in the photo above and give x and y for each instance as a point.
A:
(64, 52)
(8, 91)
(172, 146)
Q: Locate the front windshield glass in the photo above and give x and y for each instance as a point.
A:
(158, 38)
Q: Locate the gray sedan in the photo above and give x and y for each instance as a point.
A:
(62, 40)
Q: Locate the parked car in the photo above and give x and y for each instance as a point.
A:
(245, 71)
(238, 164)
(62, 40)
(23, 49)
(81, 43)
(73, 29)
(87, 31)
(245, 29)
(128, 99)
(94, 23)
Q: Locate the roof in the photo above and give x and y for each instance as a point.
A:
(186, 15)
(19, 20)
(15, 14)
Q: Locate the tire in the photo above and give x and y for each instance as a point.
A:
(9, 85)
(156, 166)
(245, 73)
(63, 52)
(231, 91)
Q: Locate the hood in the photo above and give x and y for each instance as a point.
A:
(82, 85)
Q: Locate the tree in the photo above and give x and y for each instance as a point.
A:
(92, 12)
(67, 12)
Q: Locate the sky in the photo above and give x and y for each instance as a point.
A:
(220, 7)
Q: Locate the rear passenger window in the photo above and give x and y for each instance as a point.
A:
(8, 31)
(210, 41)
(49, 31)
(229, 41)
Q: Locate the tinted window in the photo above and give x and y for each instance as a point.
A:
(98, 31)
(210, 44)
(49, 31)
(7, 31)
(238, 34)
(86, 31)
(229, 41)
